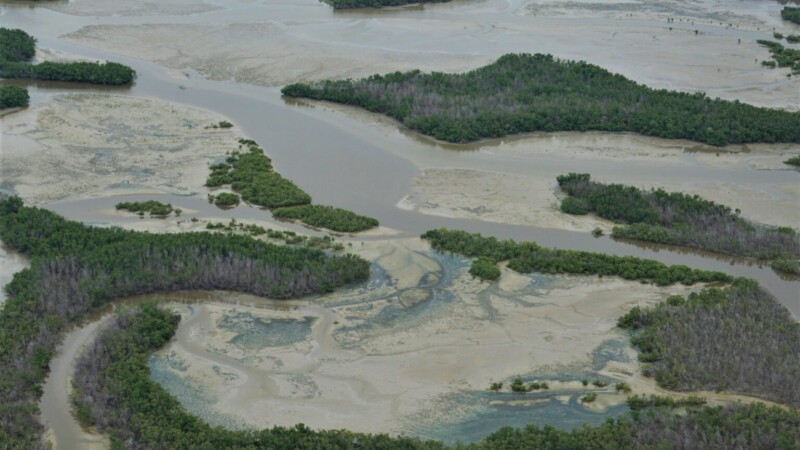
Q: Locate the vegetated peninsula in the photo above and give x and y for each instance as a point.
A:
(527, 257)
(677, 219)
(13, 97)
(522, 93)
(114, 392)
(737, 339)
(249, 172)
(17, 49)
(76, 269)
(350, 4)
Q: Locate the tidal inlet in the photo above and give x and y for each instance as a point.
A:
(386, 224)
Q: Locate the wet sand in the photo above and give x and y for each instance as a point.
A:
(273, 46)
(391, 358)
(79, 145)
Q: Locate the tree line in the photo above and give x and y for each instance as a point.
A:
(676, 219)
(17, 48)
(522, 93)
(115, 394)
(76, 269)
(737, 339)
(527, 257)
(250, 173)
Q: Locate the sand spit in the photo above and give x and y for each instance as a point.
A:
(79, 145)
(534, 200)
(137, 8)
(370, 362)
(494, 197)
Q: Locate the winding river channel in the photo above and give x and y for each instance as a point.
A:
(344, 160)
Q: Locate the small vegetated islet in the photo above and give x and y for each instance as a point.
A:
(782, 56)
(522, 93)
(151, 207)
(678, 219)
(326, 217)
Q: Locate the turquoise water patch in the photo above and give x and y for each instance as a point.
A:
(486, 415)
(254, 333)
(195, 401)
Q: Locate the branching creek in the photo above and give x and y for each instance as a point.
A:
(341, 160)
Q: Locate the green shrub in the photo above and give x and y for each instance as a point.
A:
(786, 265)
(575, 206)
(485, 269)
(13, 97)
(226, 199)
(790, 13)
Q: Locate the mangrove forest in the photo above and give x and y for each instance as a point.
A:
(677, 219)
(76, 269)
(522, 93)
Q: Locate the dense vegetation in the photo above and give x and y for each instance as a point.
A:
(791, 13)
(793, 161)
(349, 4)
(526, 257)
(522, 93)
(251, 173)
(782, 56)
(13, 97)
(327, 217)
(678, 219)
(18, 48)
(786, 265)
(637, 402)
(152, 207)
(76, 269)
(224, 199)
(116, 394)
(737, 339)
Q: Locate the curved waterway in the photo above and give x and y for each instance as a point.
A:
(344, 161)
